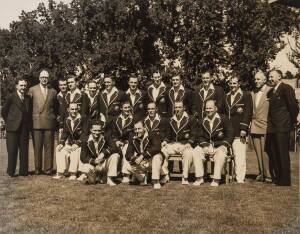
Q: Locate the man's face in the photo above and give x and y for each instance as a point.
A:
(259, 80)
(234, 84)
(210, 109)
(274, 78)
(62, 85)
(156, 78)
(44, 78)
(21, 86)
(72, 83)
(206, 79)
(133, 83)
(139, 130)
(73, 110)
(126, 109)
(96, 131)
(178, 109)
(176, 81)
(108, 83)
(92, 89)
(152, 109)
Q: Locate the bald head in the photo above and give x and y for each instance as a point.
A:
(44, 77)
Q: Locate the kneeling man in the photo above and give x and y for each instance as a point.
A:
(69, 145)
(97, 156)
(216, 136)
(143, 154)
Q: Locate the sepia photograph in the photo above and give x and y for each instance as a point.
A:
(149, 116)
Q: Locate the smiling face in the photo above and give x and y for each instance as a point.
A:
(62, 85)
(71, 83)
(44, 78)
(73, 110)
(108, 83)
(259, 79)
(210, 109)
(176, 81)
(152, 109)
(126, 109)
(206, 79)
(156, 78)
(133, 84)
(234, 85)
(92, 87)
(178, 109)
(274, 78)
(96, 131)
(139, 129)
(21, 86)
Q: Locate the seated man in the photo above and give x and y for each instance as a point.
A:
(97, 155)
(216, 136)
(144, 154)
(69, 145)
(183, 129)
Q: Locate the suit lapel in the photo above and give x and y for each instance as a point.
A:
(150, 94)
(19, 103)
(127, 122)
(172, 96)
(113, 97)
(155, 123)
(237, 98)
(216, 124)
(206, 126)
(180, 95)
(101, 145)
(145, 143)
(104, 98)
(148, 125)
(91, 147)
(174, 125)
(119, 124)
(137, 98)
(210, 92)
(183, 123)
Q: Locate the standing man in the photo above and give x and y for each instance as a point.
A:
(74, 94)
(16, 114)
(282, 116)
(62, 105)
(157, 93)
(207, 91)
(259, 125)
(238, 108)
(136, 98)
(178, 93)
(44, 101)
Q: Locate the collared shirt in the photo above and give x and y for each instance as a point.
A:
(211, 86)
(72, 94)
(178, 121)
(91, 98)
(157, 117)
(96, 143)
(73, 120)
(112, 91)
(132, 96)
(60, 94)
(232, 96)
(44, 91)
(276, 87)
(259, 94)
(21, 96)
(124, 119)
(141, 141)
(176, 92)
(211, 121)
(155, 90)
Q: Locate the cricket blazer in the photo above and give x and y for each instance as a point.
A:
(72, 135)
(240, 111)
(89, 153)
(222, 132)
(149, 146)
(139, 104)
(161, 100)
(160, 127)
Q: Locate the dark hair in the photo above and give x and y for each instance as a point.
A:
(96, 122)
(73, 103)
(20, 79)
(139, 121)
(92, 81)
(72, 77)
(133, 75)
(61, 79)
(176, 72)
(210, 100)
(278, 72)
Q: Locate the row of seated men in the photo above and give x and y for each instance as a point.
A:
(156, 108)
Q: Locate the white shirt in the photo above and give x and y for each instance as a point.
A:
(155, 90)
(155, 118)
(20, 95)
(179, 120)
(176, 92)
(131, 95)
(232, 96)
(72, 121)
(211, 121)
(258, 95)
(124, 119)
(72, 94)
(276, 87)
(206, 91)
(112, 91)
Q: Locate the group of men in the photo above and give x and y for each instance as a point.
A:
(106, 133)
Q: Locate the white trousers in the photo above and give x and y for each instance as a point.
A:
(145, 166)
(187, 158)
(239, 150)
(109, 166)
(218, 158)
(64, 156)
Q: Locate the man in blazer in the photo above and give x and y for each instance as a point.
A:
(74, 94)
(282, 117)
(215, 137)
(44, 104)
(207, 91)
(157, 93)
(62, 105)
(178, 93)
(16, 114)
(181, 140)
(259, 125)
(238, 108)
(136, 98)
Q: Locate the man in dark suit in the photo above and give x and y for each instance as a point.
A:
(157, 93)
(74, 94)
(62, 105)
(178, 93)
(136, 98)
(44, 104)
(16, 114)
(282, 116)
(207, 91)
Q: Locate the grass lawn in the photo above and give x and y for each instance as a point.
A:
(39, 204)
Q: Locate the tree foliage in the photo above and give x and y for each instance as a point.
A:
(89, 37)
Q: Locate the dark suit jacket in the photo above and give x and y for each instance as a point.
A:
(161, 100)
(62, 110)
(77, 98)
(186, 96)
(15, 112)
(120, 133)
(43, 111)
(89, 153)
(186, 132)
(222, 132)
(243, 103)
(69, 135)
(160, 127)
(283, 109)
(198, 102)
(139, 105)
(151, 146)
(90, 110)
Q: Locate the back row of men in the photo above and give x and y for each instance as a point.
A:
(110, 131)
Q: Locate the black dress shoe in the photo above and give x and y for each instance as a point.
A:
(259, 178)
(268, 180)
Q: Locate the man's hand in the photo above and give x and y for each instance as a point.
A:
(97, 161)
(119, 144)
(59, 147)
(139, 159)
